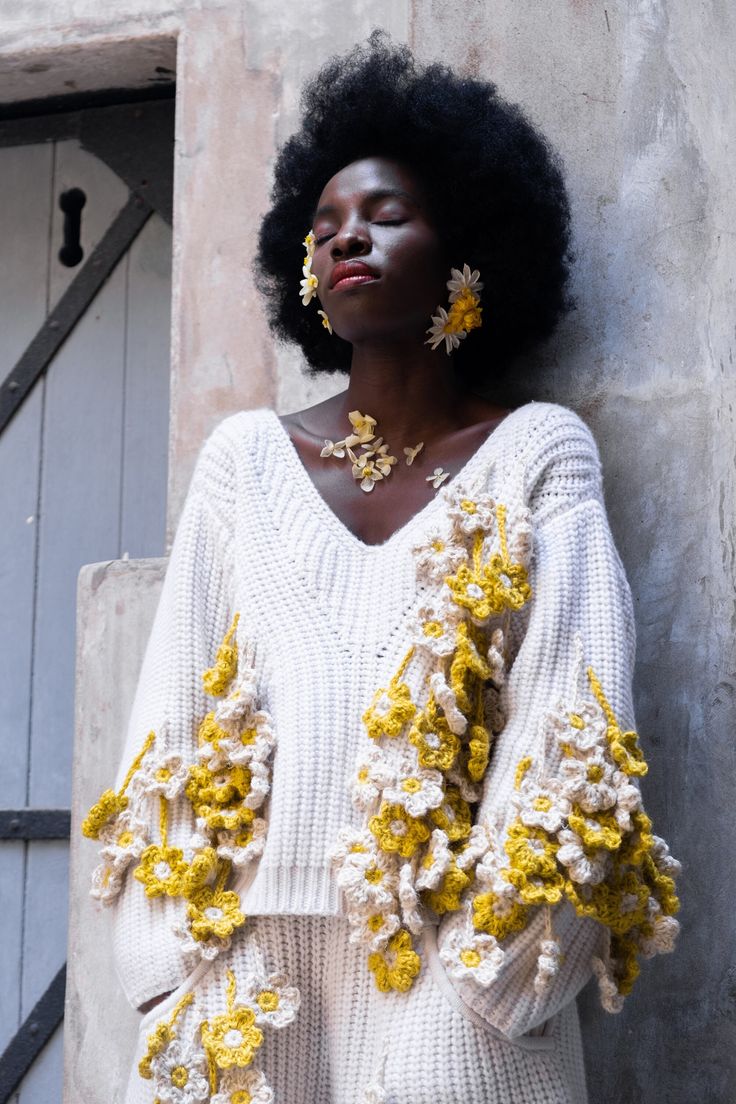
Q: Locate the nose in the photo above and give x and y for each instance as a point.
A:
(351, 240)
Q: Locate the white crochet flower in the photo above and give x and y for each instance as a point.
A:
(239, 703)
(199, 839)
(373, 929)
(584, 868)
(179, 1073)
(628, 800)
(436, 862)
(273, 1000)
(239, 1085)
(441, 557)
(477, 844)
(163, 777)
(589, 782)
(472, 956)
(368, 880)
(663, 938)
(123, 839)
(433, 628)
(446, 699)
(663, 860)
(260, 784)
(252, 742)
(582, 731)
(541, 804)
(195, 949)
(611, 999)
(373, 774)
(469, 791)
(244, 846)
(548, 965)
(469, 513)
(496, 658)
(411, 907)
(106, 883)
(417, 789)
(351, 841)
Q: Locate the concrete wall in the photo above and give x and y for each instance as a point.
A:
(637, 96)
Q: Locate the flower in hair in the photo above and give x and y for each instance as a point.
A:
(310, 283)
(465, 310)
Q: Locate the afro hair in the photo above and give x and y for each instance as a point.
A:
(494, 184)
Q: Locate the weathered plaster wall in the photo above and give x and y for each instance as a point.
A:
(637, 96)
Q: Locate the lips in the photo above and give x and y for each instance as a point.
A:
(351, 273)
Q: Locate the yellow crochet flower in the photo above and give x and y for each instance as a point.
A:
(597, 830)
(105, 810)
(396, 830)
(389, 711)
(437, 747)
(453, 815)
(446, 898)
(397, 966)
(214, 911)
(232, 1039)
(162, 870)
(620, 902)
(496, 586)
(533, 865)
(218, 796)
(624, 745)
(217, 678)
(497, 916)
(479, 750)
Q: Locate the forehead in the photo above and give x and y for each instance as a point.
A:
(368, 175)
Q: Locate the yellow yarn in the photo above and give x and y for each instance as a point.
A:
(521, 768)
(401, 709)
(397, 966)
(111, 804)
(162, 1035)
(624, 745)
(217, 678)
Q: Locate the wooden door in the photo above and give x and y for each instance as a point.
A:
(83, 468)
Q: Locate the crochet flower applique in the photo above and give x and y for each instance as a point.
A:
(216, 1062)
(431, 730)
(578, 832)
(222, 788)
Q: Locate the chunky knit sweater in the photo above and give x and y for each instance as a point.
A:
(432, 736)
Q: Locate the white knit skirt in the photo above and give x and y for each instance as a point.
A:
(348, 1043)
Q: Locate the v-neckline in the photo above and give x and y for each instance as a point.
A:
(416, 521)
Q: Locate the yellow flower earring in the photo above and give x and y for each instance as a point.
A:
(310, 283)
(465, 310)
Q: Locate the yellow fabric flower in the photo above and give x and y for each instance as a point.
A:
(105, 810)
(397, 966)
(453, 815)
(232, 1039)
(396, 830)
(214, 911)
(446, 898)
(497, 916)
(218, 677)
(162, 870)
(389, 711)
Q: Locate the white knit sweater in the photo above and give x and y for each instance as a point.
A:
(324, 622)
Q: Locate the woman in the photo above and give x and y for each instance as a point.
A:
(410, 760)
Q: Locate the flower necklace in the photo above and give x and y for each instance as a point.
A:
(375, 462)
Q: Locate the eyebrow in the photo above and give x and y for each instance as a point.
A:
(379, 193)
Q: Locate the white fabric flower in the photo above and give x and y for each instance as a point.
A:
(584, 868)
(589, 782)
(244, 846)
(163, 777)
(273, 1000)
(371, 777)
(106, 883)
(441, 557)
(541, 804)
(469, 513)
(367, 878)
(373, 929)
(123, 839)
(472, 956)
(180, 1074)
(240, 1081)
(436, 862)
(583, 730)
(433, 628)
(417, 789)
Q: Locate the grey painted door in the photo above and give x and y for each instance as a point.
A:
(83, 466)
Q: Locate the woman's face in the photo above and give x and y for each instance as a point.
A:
(377, 254)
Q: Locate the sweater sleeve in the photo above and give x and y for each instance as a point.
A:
(148, 809)
(560, 799)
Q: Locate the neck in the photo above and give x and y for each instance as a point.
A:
(411, 392)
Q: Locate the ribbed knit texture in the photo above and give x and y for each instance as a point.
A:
(323, 623)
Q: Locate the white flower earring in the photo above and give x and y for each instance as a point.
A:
(465, 310)
(309, 283)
